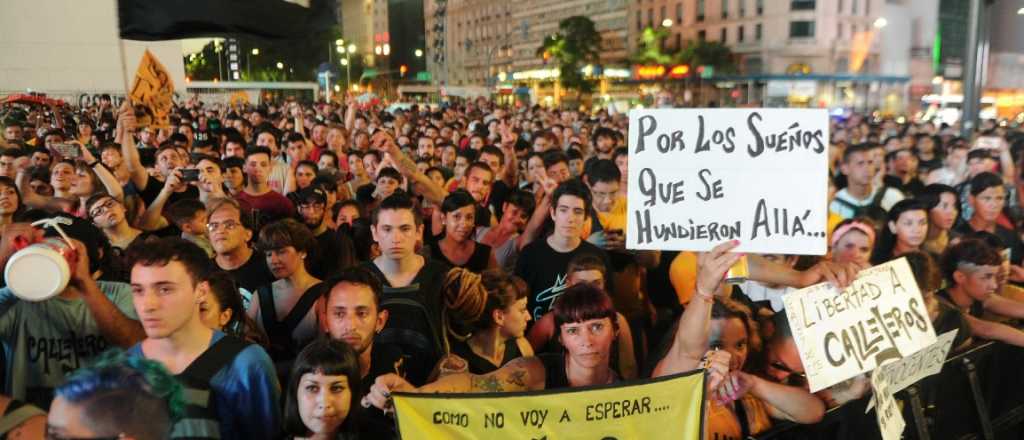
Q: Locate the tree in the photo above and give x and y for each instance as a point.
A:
(709, 53)
(648, 49)
(576, 44)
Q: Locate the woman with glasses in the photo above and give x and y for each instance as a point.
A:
(108, 214)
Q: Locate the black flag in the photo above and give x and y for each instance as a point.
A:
(151, 20)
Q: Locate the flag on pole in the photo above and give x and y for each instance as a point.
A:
(153, 20)
(153, 90)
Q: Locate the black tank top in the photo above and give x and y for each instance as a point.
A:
(480, 365)
(554, 371)
(477, 262)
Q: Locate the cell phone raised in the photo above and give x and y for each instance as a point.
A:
(68, 151)
(190, 175)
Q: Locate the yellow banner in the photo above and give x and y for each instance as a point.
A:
(154, 90)
(669, 407)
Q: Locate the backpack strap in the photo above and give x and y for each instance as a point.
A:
(302, 308)
(222, 352)
(877, 199)
(268, 314)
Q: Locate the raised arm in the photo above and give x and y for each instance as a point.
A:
(125, 134)
(426, 187)
(107, 178)
(786, 402)
(153, 218)
(691, 338)
(114, 325)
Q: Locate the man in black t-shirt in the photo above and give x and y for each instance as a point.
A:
(230, 232)
(542, 263)
(312, 203)
(974, 272)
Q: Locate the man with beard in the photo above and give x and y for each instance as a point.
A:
(351, 312)
(312, 210)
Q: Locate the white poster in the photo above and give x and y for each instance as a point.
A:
(700, 177)
(880, 317)
(911, 369)
(890, 419)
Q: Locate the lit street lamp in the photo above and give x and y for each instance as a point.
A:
(881, 22)
(667, 22)
(280, 65)
(418, 53)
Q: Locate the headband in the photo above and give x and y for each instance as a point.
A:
(854, 225)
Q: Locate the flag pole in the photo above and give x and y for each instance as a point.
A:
(124, 70)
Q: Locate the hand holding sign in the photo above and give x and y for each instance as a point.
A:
(712, 266)
(380, 393)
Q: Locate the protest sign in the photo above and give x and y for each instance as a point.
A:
(154, 90)
(840, 334)
(909, 370)
(698, 177)
(669, 407)
(890, 418)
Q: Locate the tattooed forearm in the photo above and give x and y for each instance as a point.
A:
(487, 383)
(517, 378)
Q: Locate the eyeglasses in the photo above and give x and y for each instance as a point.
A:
(227, 225)
(794, 377)
(102, 208)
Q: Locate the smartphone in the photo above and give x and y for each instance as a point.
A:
(69, 151)
(190, 175)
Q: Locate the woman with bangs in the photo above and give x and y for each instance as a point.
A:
(320, 402)
(852, 241)
(284, 309)
(585, 319)
(457, 247)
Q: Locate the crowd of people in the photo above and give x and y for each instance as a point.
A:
(279, 270)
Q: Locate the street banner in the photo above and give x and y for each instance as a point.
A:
(668, 407)
(698, 177)
(154, 90)
(880, 317)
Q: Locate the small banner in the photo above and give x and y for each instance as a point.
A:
(668, 407)
(879, 318)
(154, 90)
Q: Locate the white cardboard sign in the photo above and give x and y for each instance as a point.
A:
(880, 317)
(890, 419)
(700, 177)
(911, 369)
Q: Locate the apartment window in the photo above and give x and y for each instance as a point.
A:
(802, 5)
(760, 7)
(639, 20)
(840, 8)
(743, 7)
(700, 10)
(867, 7)
(679, 41)
(679, 13)
(839, 31)
(757, 32)
(725, 9)
(702, 35)
(853, 9)
(663, 17)
(801, 29)
(739, 34)
(650, 17)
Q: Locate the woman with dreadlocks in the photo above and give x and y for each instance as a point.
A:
(495, 330)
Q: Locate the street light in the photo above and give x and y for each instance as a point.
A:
(339, 42)
(344, 61)
(667, 22)
(280, 65)
(386, 49)
(418, 53)
(256, 51)
(881, 22)
(352, 48)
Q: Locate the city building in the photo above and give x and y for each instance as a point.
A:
(483, 43)
(387, 34)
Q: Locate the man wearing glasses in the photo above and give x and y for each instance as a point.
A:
(230, 233)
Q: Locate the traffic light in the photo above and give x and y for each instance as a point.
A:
(403, 69)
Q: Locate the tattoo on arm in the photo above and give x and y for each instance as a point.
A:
(517, 378)
(487, 383)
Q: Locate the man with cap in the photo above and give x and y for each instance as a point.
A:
(312, 203)
(50, 338)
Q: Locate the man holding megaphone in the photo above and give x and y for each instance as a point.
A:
(54, 315)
